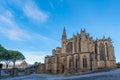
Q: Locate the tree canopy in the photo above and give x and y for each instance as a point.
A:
(37, 64)
(16, 56)
(8, 56)
(2, 50)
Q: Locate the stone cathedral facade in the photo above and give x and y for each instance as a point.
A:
(80, 54)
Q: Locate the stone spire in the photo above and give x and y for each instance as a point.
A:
(64, 32)
(109, 38)
(64, 39)
(103, 37)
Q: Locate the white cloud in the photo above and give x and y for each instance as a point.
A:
(41, 37)
(33, 56)
(9, 28)
(33, 12)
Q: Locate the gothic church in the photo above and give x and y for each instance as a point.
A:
(81, 53)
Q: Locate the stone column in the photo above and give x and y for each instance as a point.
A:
(98, 56)
(73, 65)
(79, 62)
(77, 44)
(56, 65)
(65, 65)
(74, 44)
(106, 56)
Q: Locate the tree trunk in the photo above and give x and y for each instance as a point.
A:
(6, 66)
(13, 64)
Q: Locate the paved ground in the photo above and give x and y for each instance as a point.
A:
(111, 75)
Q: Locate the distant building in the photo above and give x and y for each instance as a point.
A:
(24, 64)
(81, 53)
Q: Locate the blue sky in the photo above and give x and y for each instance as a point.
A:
(34, 27)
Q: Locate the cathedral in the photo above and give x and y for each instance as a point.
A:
(81, 53)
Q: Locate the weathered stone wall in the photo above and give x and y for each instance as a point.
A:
(81, 53)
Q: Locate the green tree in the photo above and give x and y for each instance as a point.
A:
(10, 55)
(0, 56)
(2, 50)
(37, 63)
(16, 56)
(6, 57)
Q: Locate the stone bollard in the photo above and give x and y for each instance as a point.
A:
(14, 72)
(36, 70)
(27, 71)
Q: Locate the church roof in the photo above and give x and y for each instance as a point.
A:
(24, 63)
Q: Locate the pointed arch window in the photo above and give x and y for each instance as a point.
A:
(70, 63)
(106, 48)
(69, 47)
(84, 62)
(102, 51)
(76, 62)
